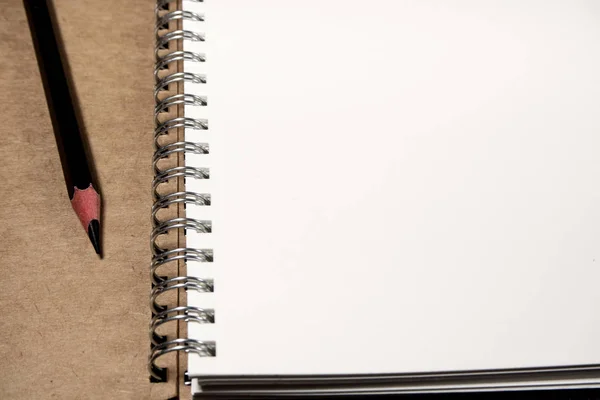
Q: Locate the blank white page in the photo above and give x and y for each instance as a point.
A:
(398, 185)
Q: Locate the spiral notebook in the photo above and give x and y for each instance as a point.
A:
(377, 197)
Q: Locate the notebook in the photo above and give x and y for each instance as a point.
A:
(377, 197)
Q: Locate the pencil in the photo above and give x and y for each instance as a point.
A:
(81, 188)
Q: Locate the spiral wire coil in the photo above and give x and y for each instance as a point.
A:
(167, 147)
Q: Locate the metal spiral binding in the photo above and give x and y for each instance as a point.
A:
(166, 146)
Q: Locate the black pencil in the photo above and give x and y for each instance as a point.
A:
(81, 188)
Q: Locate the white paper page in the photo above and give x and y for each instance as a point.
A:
(398, 186)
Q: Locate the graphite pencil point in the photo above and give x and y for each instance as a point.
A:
(93, 232)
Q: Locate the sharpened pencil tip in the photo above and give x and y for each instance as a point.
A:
(86, 204)
(93, 232)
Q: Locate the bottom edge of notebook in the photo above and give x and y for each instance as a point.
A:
(552, 378)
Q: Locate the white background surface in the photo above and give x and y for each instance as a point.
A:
(398, 186)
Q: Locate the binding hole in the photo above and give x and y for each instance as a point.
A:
(159, 374)
(158, 338)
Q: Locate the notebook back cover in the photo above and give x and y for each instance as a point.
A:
(74, 326)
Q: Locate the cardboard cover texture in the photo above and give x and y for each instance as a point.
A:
(74, 326)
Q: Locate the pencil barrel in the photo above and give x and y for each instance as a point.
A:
(60, 97)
